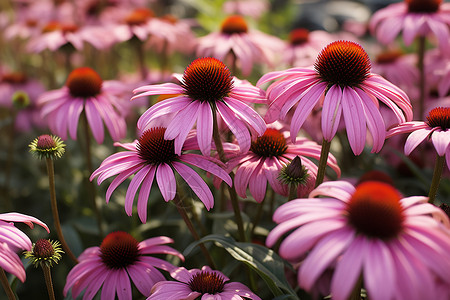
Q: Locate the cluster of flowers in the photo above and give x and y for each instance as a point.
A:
(227, 139)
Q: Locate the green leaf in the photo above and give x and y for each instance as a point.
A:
(264, 261)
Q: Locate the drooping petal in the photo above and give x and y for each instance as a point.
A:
(355, 121)
(166, 181)
(196, 183)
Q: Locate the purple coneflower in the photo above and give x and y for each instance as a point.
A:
(398, 246)
(84, 90)
(205, 88)
(416, 18)
(303, 46)
(200, 284)
(267, 156)
(120, 258)
(239, 46)
(12, 240)
(340, 82)
(435, 128)
(153, 156)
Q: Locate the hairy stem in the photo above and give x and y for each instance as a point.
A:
(48, 281)
(182, 211)
(231, 190)
(437, 174)
(51, 183)
(323, 162)
(91, 185)
(5, 284)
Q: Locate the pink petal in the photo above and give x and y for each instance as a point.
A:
(331, 112)
(95, 121)
(415, 138)
(211, 167)
(133, 187)
(166, 181)
(205, 128)
(305, 107)
(144, 194)
(348, 269)
(196, 183)
(441, 140)
(324, 254)
(355, 122)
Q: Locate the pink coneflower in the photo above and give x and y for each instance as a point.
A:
(397, 67)
(152, 156)
(55, 35)
(251, 8)
(19, 93)
(200, 284)
(342, 84)
(267, 156)
(84, 90)
(205, 88)
(435, 128)
(171, 34)
(246, 47)
(12, 240)
(303, 46)
(120, 258)
(416, 18)
(135, 23)
(398, 246)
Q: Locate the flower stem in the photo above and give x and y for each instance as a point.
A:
(51, 183)
(90, 185)
(292, 191)
(356, 293)
(5, 284)
(437, 174)
(231, 190)
(323, 161)
(181, 209)
(422, 78)
(48, 281)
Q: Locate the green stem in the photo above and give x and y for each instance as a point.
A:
(48, 281)
(437, 174)
(422, 78)
(139, 46)
(5, 284)
(323, 161)
(182, 211)
(258, 216)
(356, 293)
(91, 185)
(51, 182)
(292, 191)
(231, 190)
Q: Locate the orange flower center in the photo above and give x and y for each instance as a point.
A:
(298, 36)
(119, 250)
(439, 117)
(271, 143)
(84, 82)
(207, 79)
(343, 63)
(139, 16)
(14, 78)
(423, 6)
(374, 210)
(388, 57)
(55, 25)
(154, 149)
(206, 282)
(169, 19)
(234, 24)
